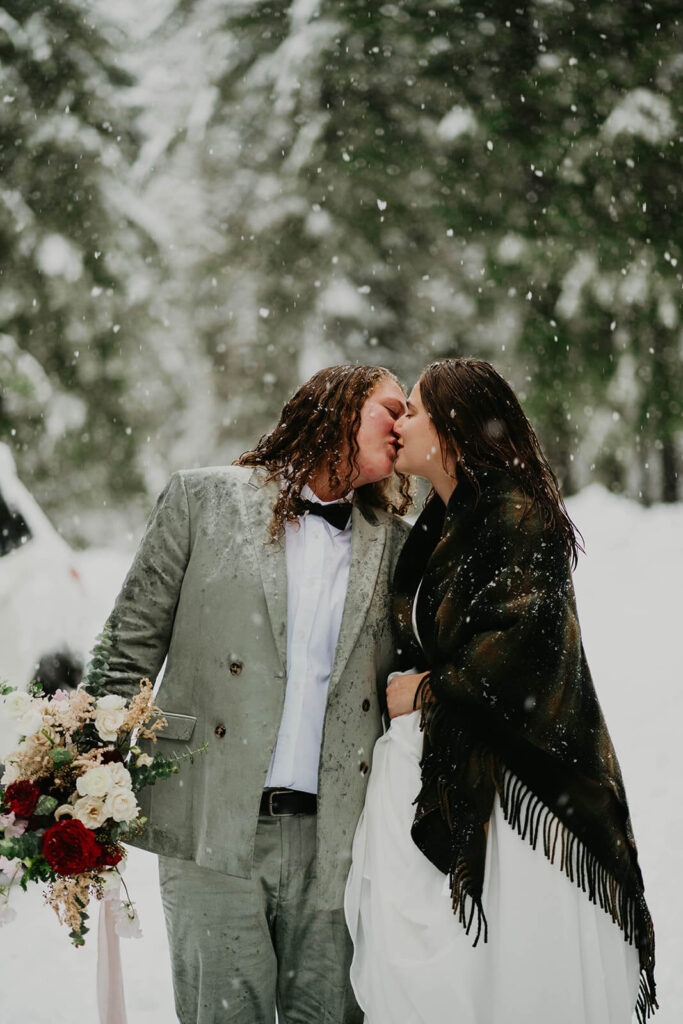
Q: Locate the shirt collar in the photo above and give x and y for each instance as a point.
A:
(310, 495)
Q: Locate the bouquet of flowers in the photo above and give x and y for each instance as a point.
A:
(68, 793)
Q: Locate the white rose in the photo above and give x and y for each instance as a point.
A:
(10, 774)
(111, 702)
(121, 805)
(64, 810)
(144, 761)
(26, 713)
(108, 721)
(30, 722)
(90, 811)
(119, 774)
(95, 782)
(17, 703)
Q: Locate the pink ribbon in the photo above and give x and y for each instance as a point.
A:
(110, 998)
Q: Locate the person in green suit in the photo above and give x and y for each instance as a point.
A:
(265, 586)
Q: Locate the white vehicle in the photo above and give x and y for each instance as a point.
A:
(43, 603)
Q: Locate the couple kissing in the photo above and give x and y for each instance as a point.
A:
(410, 810)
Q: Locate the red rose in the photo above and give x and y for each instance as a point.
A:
(70, 848)
(111, 855)
(22, 797)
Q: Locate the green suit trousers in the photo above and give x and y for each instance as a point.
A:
(240, 947)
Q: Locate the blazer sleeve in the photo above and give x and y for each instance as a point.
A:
(505, 654)
(143, 615)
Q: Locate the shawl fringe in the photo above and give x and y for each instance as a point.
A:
(463, 901)
(532, 821)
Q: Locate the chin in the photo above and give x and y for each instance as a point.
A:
(374, 474)
(402, 464)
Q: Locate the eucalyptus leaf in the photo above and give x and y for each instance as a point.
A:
(9, 848)
(46, 804)
(60, 756)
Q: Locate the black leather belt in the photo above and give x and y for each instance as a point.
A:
(282, 803)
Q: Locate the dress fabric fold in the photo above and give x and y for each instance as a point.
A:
(551, 954)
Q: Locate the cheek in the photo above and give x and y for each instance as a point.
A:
(376, 428)
(429, 437)
(417, 435)
(385, 422)
(374, 458)
(419, 443)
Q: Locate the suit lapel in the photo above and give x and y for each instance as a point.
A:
(259, 499)
(367, 545)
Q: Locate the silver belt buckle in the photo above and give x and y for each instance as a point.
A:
(271, 812)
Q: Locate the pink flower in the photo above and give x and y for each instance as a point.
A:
(14, 869)
(11, 825)
(59, 695)
(127, 922)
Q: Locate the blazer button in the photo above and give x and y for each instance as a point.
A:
(364, 768)
(235, 668)
(220, 731)
(366, 705)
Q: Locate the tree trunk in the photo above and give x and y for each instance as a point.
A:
(669, 471)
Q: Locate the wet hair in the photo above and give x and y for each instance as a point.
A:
(318, 430)
(480, 422)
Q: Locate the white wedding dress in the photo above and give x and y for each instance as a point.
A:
(552, 957)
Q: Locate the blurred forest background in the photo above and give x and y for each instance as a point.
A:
(204, 201)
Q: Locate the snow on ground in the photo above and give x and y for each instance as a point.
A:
(629, 599)
(629, 604)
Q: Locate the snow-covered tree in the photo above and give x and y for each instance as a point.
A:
(206, 203)
(397, 182)
(79, 382)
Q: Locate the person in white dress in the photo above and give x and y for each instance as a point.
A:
(494, 876)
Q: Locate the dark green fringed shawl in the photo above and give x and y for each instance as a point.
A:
(511, 708)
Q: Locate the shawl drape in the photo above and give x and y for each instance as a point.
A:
(510, 707)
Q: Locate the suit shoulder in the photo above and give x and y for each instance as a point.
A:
(208, 475)
(400, 526)
(396, 526)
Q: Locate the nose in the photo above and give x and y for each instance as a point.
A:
(398, 424)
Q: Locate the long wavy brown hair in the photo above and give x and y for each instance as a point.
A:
(317, 431)
(481, 423)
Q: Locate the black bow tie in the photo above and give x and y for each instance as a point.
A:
(337, 513)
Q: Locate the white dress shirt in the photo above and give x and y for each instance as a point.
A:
(318, 557)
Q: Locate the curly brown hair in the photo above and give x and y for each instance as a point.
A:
(317, 430)
(481, 423)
